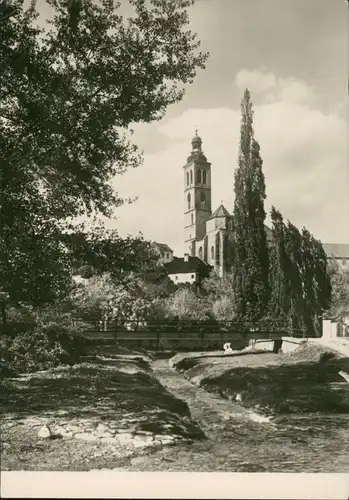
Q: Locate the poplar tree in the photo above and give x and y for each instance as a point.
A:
(316, 282)
(293, 248)
(250, 250)
(279, 305)
(303, 276)
(308, 279)
(322, 277)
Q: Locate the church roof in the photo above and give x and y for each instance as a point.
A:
(337, 250)
(162, 246)
(180, 266)
(220, 212)
(196, 153)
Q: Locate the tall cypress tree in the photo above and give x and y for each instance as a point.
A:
(322, 277)
(251, 264)
(317, 282)
(293, 249)
(279, 304)
(308, 279)
(308, 284)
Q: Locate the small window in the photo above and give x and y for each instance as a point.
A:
(191, 177)
(188, 199)
(204, 177)
(192, 276)
(198, 176)
(187, 178)
(192, 218)
(212, 252)
(200, 253)
(176, 277)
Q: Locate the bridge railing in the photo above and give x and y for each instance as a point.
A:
(198, 333)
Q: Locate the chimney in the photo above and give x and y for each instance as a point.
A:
(186, 257)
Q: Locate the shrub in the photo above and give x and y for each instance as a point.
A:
(52, 339)
(185, 305)
(19, 320)
(224, 309)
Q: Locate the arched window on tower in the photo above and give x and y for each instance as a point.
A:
(202, 199)
(192, 218)
(212, 253)
(198, 176)
(200, 253)
(188, 200)
(191, 177)
(204, 177)
(187, 178)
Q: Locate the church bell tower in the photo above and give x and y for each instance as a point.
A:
(197, 195)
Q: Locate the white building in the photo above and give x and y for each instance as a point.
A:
(187, 269)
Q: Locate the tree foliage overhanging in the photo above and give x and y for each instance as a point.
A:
(70, 90)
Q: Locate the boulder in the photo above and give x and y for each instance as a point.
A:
(45, 432)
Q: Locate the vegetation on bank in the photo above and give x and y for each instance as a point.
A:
(305, 381)
(40, 340)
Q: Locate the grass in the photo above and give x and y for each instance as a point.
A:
(119, 390)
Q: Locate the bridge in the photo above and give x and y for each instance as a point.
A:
(191, 335)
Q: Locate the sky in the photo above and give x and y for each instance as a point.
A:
(293, 56)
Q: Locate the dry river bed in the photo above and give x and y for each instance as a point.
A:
(122, 413)
(313, 442)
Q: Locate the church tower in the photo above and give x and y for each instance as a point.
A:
(197, 195)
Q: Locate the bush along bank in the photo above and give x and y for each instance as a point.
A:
(34, 341)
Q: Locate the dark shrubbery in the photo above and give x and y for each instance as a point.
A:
(37, 341)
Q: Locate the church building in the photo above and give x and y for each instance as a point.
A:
(206, 233)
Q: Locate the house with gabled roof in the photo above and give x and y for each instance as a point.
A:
(187, 269)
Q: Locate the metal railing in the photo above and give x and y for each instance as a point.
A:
(187, 331)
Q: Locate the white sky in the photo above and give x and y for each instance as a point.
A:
(293, 56)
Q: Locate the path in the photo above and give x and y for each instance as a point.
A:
(236, 443)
